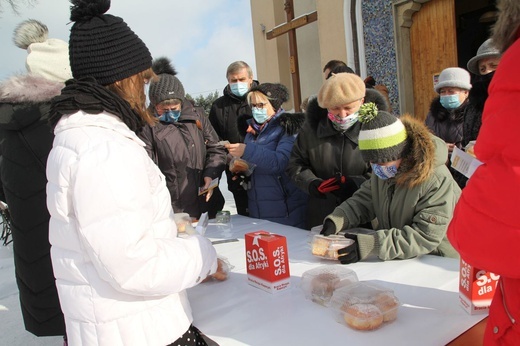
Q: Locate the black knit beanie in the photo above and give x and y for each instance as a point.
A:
(168, 86)
(103, 46)
(276, 93)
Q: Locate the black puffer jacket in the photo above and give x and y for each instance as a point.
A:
(320, 152)
(186, 152)
(25, 142)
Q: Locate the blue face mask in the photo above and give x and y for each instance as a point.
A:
(384, 172)
(170, 116)
(260, 115)
(239, 88)
(450, 101)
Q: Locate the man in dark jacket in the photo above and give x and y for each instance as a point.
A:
(224, 114)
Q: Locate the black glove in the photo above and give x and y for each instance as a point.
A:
(347, 187)
(349, 254)
(313, 189)
(328, 228)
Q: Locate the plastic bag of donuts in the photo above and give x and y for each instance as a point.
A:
(184, 224)
(364, 305)
(223, 269)
(318, 284)
(327, 247)
(240, 166)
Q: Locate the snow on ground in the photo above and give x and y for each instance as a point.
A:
(12, 330)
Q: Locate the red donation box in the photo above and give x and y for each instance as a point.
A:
(267, 261)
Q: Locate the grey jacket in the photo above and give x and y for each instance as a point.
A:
(186, 152)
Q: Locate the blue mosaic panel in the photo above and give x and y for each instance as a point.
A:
(378, 33)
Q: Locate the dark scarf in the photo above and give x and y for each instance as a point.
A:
(87, 95)
(479, 92)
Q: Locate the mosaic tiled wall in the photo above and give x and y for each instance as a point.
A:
(378, 32)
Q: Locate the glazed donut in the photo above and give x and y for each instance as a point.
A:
(320, 246)
(363, 316)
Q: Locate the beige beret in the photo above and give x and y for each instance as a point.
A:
(340, 89)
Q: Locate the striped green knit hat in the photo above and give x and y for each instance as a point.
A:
(382, 137)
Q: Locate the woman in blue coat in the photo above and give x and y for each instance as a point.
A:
(267, 148)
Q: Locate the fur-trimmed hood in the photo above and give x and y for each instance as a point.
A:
(314, 112)
(29, 88)
(424, 152)
(507, 28)
(292, 122)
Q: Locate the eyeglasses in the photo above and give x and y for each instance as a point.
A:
(258, 105)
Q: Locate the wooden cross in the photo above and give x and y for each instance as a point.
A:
(290, 28)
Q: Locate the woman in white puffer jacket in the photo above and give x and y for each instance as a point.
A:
(121, 271)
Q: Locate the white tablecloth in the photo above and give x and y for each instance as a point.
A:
(234, 313)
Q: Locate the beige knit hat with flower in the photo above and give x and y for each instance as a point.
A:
(341, 89)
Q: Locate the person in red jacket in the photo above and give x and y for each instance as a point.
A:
(485, 228)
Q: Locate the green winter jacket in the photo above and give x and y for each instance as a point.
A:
(413, 209)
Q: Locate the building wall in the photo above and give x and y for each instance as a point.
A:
(318, 42)
(266, 51)
(308, 50)
(405, 43)
(324, 40)
(331, 30)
